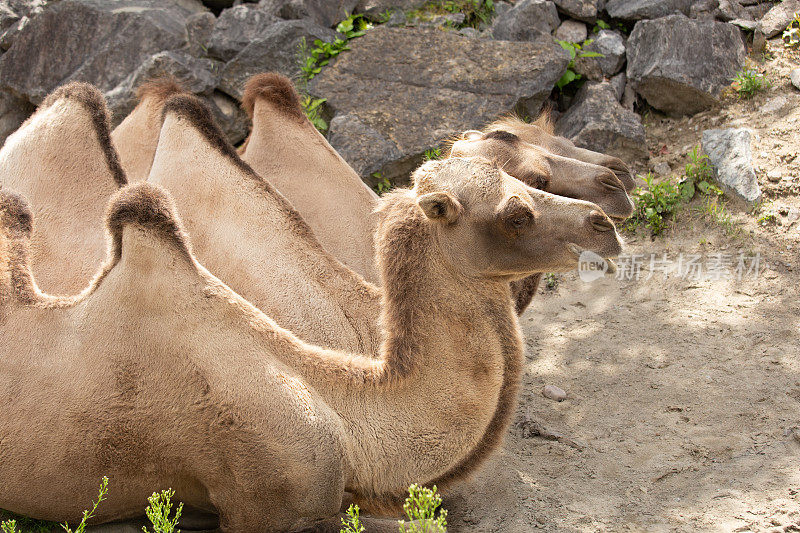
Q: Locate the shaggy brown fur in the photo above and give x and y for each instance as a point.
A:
(150, 207)
(93, 100)
(159, 89)
(16, 226)
(277, 89)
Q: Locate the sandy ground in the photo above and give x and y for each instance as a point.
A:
(683, 411)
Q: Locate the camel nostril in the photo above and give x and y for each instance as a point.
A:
(610, 182)
(600, 222)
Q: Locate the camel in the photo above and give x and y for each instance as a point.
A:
(538, 167)
(286, 149)
(62, 160)
(541, 132)
(136, 136)
(158, 374)
(252, 238)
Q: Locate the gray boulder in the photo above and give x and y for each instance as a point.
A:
(378, 7)
(323, 12)
(571, 31)
(197, 75)
(528, 20)
(612, 47)
(618, 83)
(275, 50)
(778, 17)
(585, 10)
(730, 154)
(13, 112)
(14, 16)
(229, 115)
(363, 147)
(380, 85)
(198, 30)
(646, 9)
(90, 40)
(794, 76)
(596, 121)
(681, 65)
(237, 27)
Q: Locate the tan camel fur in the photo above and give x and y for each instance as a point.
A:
(541, 133)
(286, 150)
(159, 375)
(61, 159)
(247, 233)
(136, 137)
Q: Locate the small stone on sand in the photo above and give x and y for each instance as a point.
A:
(554, 393)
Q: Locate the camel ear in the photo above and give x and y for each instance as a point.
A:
(440, 206)
(471, 135)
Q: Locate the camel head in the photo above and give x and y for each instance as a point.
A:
(541, 133)
(489, 224)
(549, 172)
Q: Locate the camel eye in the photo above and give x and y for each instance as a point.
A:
(521, 220)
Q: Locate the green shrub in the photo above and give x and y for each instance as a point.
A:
(87, 515)
(382, 184)
(421, 510)
(476, 12)
(353, 522)
(698, 176)
(312, 59)
(748, 82)
(432, 154)
(575, 51)
(654, 204)
(158, 510)
(311, 107)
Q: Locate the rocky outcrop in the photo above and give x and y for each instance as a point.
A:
(197, 75)
(237, 27)
(646, 9)
(598, 122)
(778, 17)
(730, 154)
(13, 112)
(681, 65)
(585, 10)
(326, 13)
(528, 20)
(571, 31)
(611, 47)
(378, 7)
(794, 76)
(379, 83)
(91, 40)
(14, 16)
(364, 148)
(275, 50)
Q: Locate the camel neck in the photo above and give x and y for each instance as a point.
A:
(422, 410)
